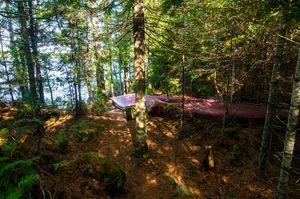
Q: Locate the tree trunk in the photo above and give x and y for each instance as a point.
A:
(111, 74)
(98, 56)
(273, 96)
(139, 64)
(126, 79)
(50, 87)
(290, 136)
(120, 71)
(27, 52)
(181, 130)
(74, 68)
(86, 71)
(14, 51)
(10, 87)
(33, 31)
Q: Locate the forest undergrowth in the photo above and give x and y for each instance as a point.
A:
(175, 167)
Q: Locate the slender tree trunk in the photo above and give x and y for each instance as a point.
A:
(290, 136)
(120, 72)
(98, 55)
(49, 86)
(111, 74)
(86, 71)
(27, 52)
(74, 68)
(226, 109)
(71, 93)
(10, 87)
(126, 80)
(33, 31)
(22, 74)
(139, 63)
(15, 54)
(78, 79)
(265, 147)
(182, 96)
(121, 82)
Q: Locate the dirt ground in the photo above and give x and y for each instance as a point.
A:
(171, 160)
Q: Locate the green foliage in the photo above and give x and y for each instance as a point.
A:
(25, 110)
(181, 189)
(85, 131)
(62, 141)
(167, 4)
(60, 164)
(17, 175)
(98, 105)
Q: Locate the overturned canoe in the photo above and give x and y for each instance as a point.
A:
(205, 108)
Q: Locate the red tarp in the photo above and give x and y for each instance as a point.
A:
(206, 108)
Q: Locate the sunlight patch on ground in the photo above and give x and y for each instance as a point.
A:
(115, 152)
(151, 180)
(152, 144)
(52, 124)
(266, 193)
(225, 179)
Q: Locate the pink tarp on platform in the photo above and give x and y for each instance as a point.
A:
(205, 108)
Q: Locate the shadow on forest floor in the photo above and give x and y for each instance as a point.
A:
(171, 159)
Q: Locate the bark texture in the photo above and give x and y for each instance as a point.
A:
(98, 55)
(33, 32)
(26, 49)
(139, 64)
(273, 94)
(290, 136)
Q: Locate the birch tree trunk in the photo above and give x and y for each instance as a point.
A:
(4, 61)
(139, 64)
(290, 136)
(273, 96)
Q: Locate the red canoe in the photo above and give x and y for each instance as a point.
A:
(205, 108)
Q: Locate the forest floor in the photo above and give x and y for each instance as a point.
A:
(174, 168)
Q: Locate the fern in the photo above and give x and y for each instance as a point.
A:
(28, 180)
(16, 175)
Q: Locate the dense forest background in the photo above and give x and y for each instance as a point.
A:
(84, 43)
(71, 56)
